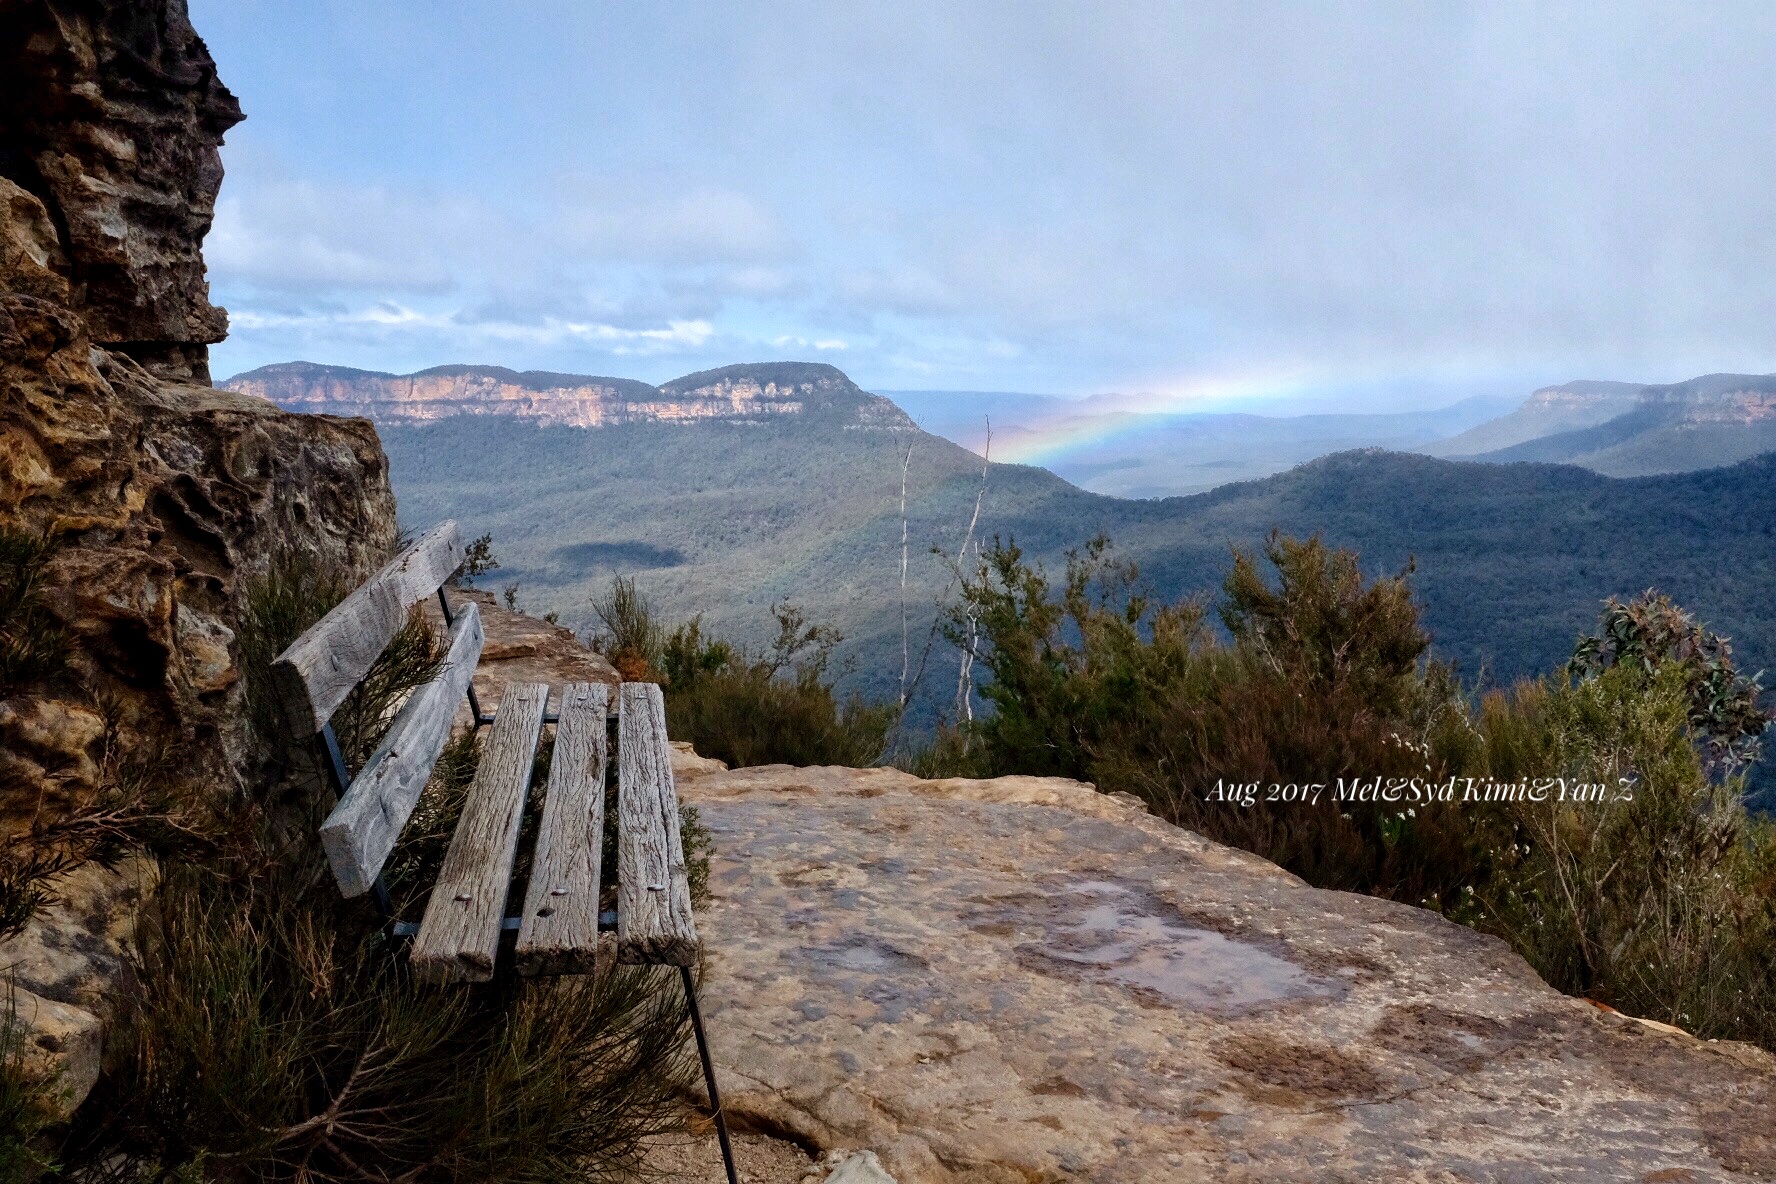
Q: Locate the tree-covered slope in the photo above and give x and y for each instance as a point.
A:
(1512, 560)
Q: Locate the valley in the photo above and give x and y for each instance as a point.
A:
(725, 520)
(720, 505)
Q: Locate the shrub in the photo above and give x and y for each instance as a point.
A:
(631, 638)
(745, 707)
(775, 707)
(1651, 632)
(1661, 901)
(478, 560)
(33, 647)
(27, 1100)
(1322, 628)
(1322, 680)
(950, 751)
(1062, 672)
(276, 1038)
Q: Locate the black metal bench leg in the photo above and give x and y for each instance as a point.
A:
(721, 1122)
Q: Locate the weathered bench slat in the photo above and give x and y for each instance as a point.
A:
(321, 667)
(361, 831)
(654, 925)
(559, 933)
(458, 938)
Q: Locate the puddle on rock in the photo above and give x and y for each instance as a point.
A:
(1108, 931)
(860, 954)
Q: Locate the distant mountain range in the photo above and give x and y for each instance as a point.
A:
(722, 507)
(1108, 444)
(1625, 430)
(720, 500)
(733, 394)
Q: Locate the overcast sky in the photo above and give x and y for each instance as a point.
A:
(1359, 203)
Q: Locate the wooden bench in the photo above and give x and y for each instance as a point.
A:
(466, 930)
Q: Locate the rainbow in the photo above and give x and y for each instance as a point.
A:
(1106, 419)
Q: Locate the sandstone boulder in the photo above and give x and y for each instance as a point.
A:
(64, 970)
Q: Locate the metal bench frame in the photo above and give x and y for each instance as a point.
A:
(467, 933)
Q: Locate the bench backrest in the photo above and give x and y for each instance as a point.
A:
(460, 936)
(319, 669)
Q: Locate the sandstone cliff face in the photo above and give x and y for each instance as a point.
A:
(745, 394)
(1739, 407)
(164, 499)
(1713, 398)
(113, 117)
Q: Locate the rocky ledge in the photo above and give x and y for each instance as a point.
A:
(520, 648)
(1025, 980)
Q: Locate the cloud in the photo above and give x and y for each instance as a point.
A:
(1133, 195)
(704, 226)
(825, 344)
(395, 319)
(286, 235)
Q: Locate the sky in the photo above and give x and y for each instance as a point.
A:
(1200, 205)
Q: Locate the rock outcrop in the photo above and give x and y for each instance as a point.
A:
(113, 115)
(746, 394)
(1025, 980)
(162, 499)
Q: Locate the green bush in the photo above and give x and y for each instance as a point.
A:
(1322, 680)
(33, 647)
(1661, 901)
(775, 706)
(1652, 633)
(631, 638)
(275, 1037)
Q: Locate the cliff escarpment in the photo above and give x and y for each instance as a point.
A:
(137, 504)
(752, 393)
(1625, 429)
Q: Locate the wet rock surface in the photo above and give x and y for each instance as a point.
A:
(1023, 979)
